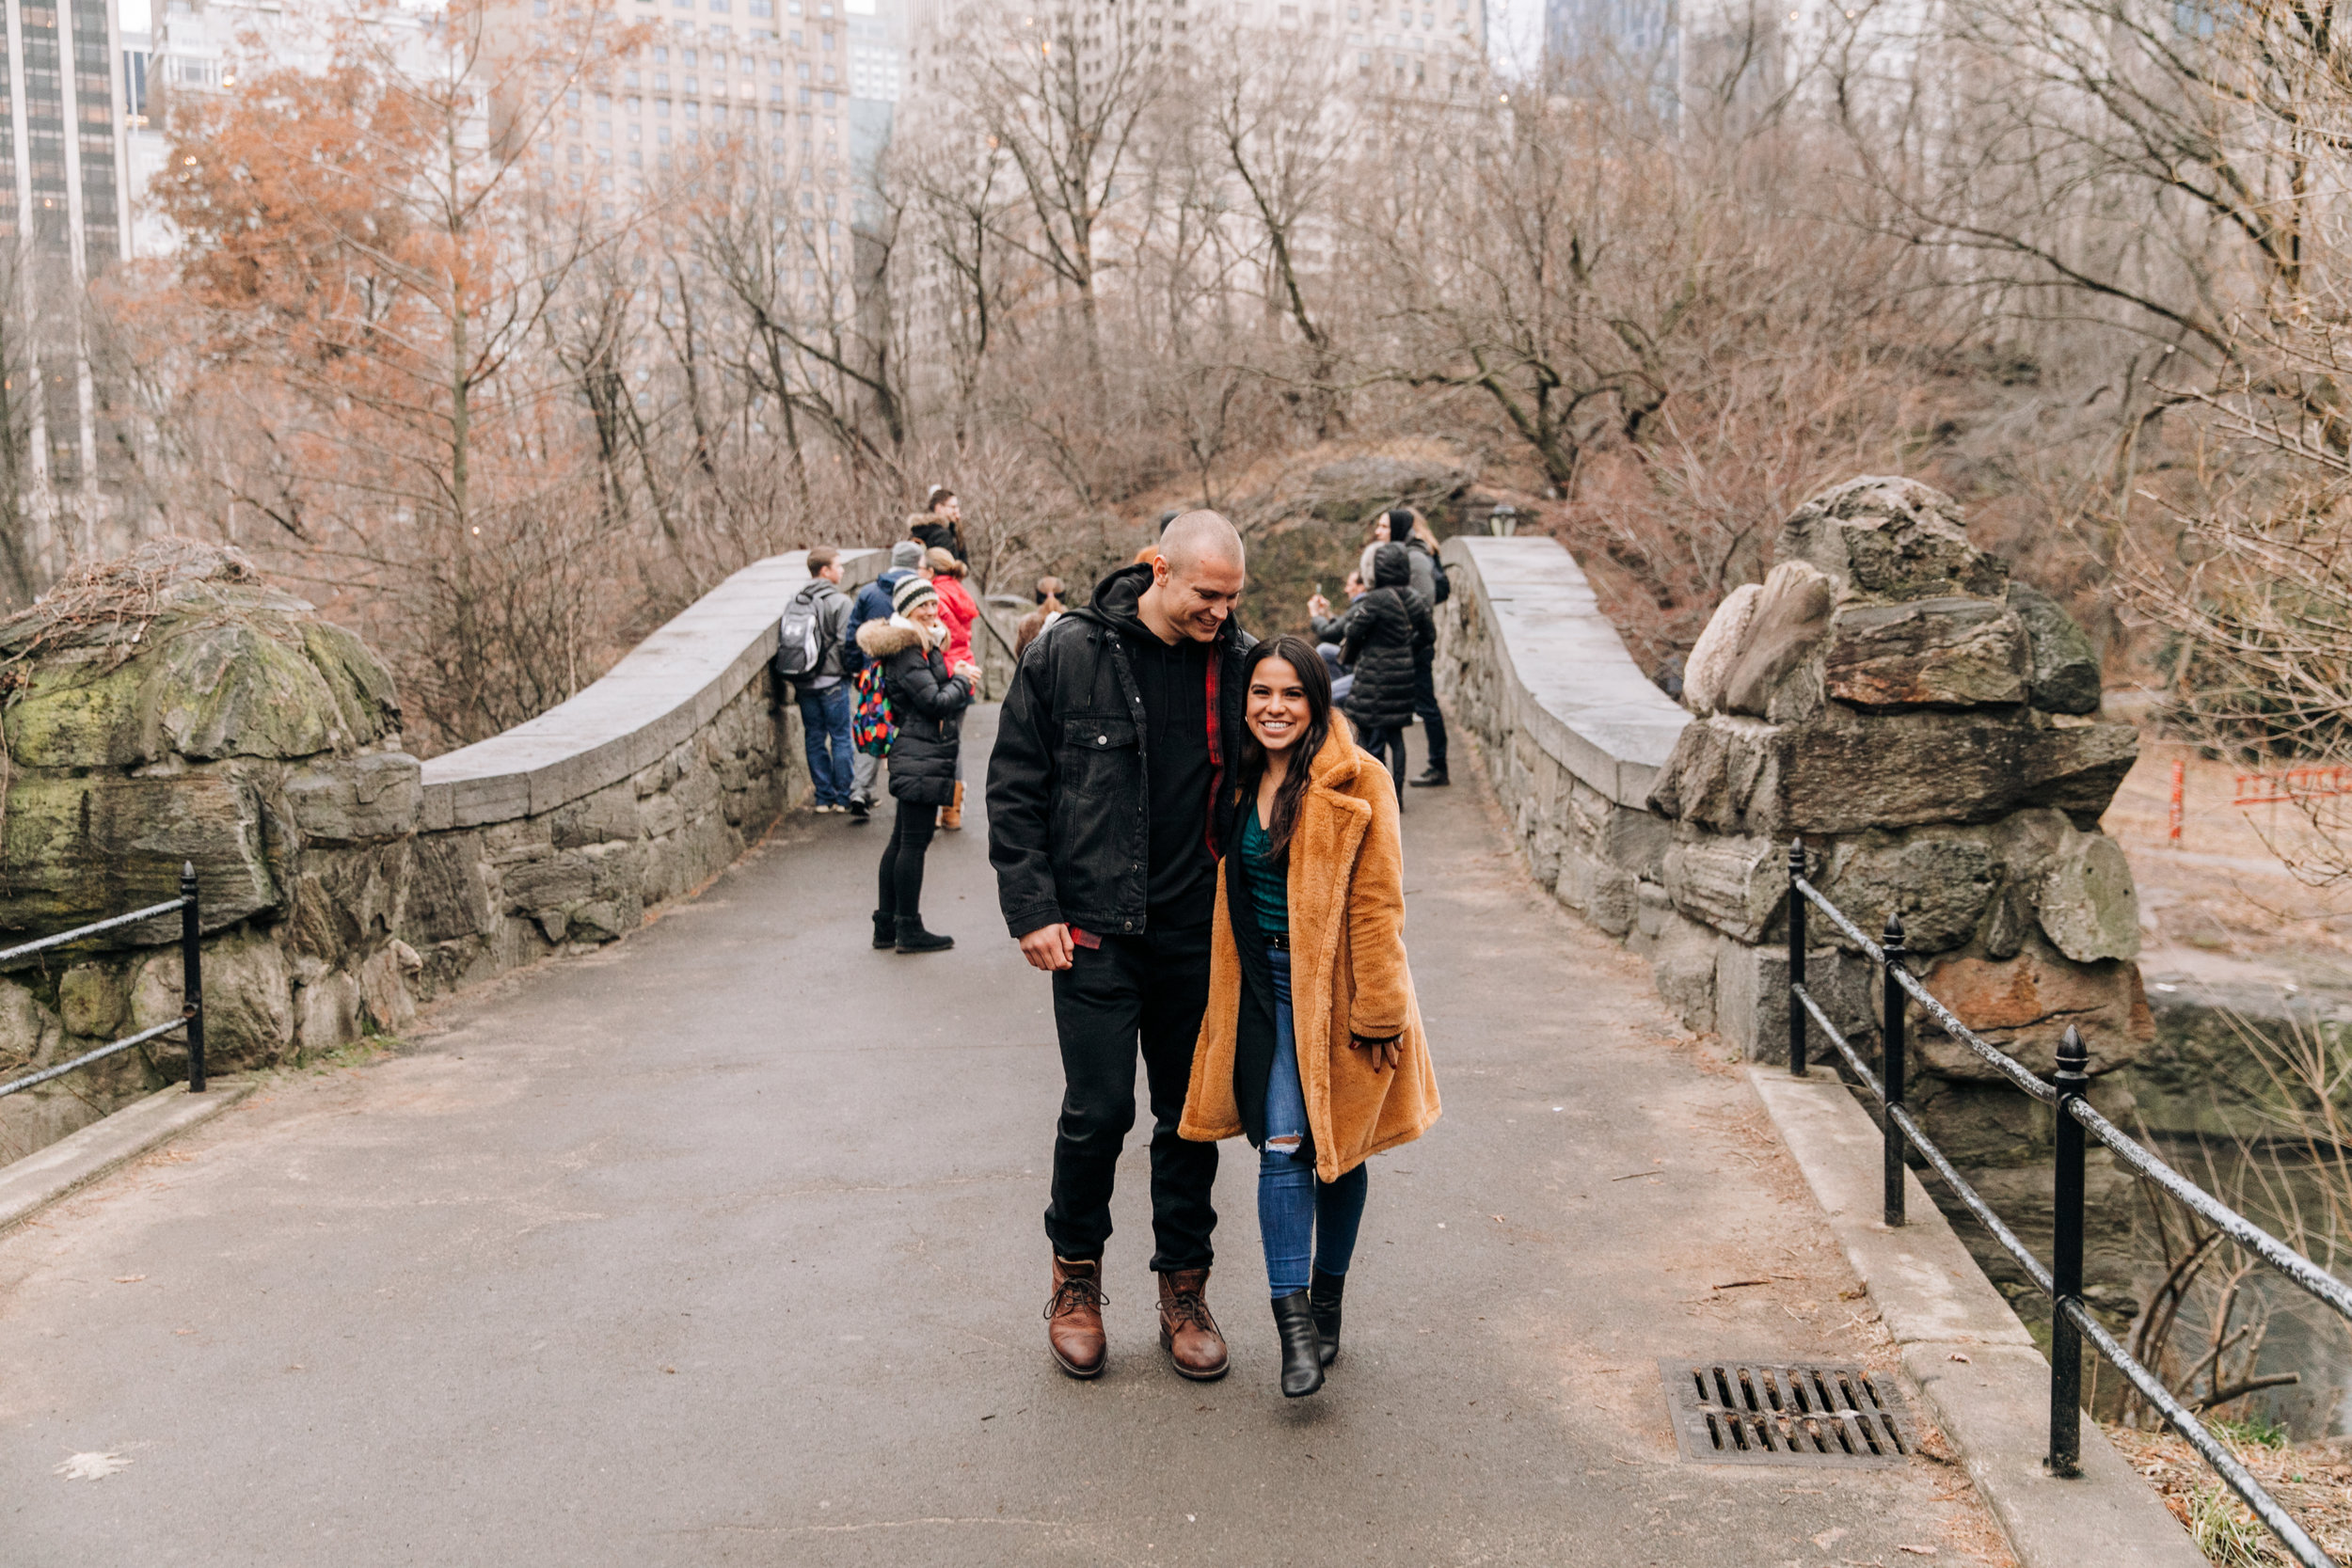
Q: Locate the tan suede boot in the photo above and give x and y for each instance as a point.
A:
(1187, 1332)
(1074, 1319)
(951, 815)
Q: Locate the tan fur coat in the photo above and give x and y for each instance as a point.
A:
(1348, 975)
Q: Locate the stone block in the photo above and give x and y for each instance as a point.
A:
(1938, 880)
(378, 795)
(233, 689)
(1683, 969)
(248, 1000)
(1734, 884)
(546, 884)
(93, 1000)
(518, 839)
(1791, 615)
(1846, 773)
(1890, 538)
(75, 712)
(2087, 906)
(659, 816)
(2062, 666)
(1653, 916)
(360, 684)
(1751, 1000)
(386, 978)
(1635, 839)
(29, 1031)
(449, 889)
(327, 1012)
(2024, 1005)
(600, 920)
(1941, 652)
(1707, 673)
(1615, 900)
(83, 848)
(607, 814)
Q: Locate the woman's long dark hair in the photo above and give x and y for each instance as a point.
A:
(1316, 679)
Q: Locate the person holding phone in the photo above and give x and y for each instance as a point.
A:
(1312, 1046)
(927, 699)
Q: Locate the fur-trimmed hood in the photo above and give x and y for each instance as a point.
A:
(881, 640)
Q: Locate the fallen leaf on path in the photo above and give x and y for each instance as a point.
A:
(129, 1279)
(1916, 1551)
(92, 1466)
(1962, 1360)
(1736, 1284)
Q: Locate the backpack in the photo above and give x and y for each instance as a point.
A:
(873, 725)
(801, 637)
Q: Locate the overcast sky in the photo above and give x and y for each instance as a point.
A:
(1515, 35)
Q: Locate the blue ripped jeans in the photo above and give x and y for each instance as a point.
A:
(1300, 1218)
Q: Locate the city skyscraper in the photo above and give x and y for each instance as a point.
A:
(65, 215)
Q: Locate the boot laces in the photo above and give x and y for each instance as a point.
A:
(1074, 1294)
(1187, 1307)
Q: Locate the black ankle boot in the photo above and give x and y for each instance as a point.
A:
(914, 938)
(885, 931)
(1322, 1300)
(1302, 1359)
(1433, 777)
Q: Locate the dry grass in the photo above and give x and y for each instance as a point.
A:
(2314, 1482)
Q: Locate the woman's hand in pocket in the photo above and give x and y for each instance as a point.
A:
(1385, 1054)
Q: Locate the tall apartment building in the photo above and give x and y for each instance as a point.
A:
(1740, 50)
(64, 215)
(771, 85)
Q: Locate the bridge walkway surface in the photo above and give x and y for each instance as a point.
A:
(721, 1245)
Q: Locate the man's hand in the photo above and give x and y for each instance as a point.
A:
(1318, 604)
(1048, 947)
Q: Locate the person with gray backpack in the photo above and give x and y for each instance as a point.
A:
(808, 655)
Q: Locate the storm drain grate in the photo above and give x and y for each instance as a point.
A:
(1742, 1413)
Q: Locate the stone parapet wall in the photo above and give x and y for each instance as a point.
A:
(1929, 728)
(173, 708)
(569, 829)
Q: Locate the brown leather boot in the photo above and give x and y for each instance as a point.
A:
(1187, 1331)
(1074, 1319)
(951, 815)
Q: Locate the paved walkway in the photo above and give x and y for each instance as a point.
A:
(721, 1245)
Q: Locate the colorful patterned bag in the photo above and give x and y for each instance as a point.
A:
(873, 725)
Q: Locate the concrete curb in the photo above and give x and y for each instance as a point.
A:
(43, 1177)
(1967, 1353)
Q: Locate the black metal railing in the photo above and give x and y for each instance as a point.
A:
(192, 980)
(2070, 1322)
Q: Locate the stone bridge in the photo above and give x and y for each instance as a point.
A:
(678, 1226)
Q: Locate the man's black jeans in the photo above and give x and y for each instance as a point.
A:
(1152, 988)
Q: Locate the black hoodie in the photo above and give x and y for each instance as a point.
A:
(1072, 803)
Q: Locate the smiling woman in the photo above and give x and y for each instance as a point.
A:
(1312, 1046)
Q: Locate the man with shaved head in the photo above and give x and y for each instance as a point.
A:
(1105, 817)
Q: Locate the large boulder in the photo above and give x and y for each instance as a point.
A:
(172, 708)
(1892, 539)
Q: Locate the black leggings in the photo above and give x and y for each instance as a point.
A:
(901, 882)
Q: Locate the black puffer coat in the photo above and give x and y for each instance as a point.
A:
(928, 704)
(1381, 637)
(1069, 797)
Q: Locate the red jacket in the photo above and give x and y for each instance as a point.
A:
(958, 608)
